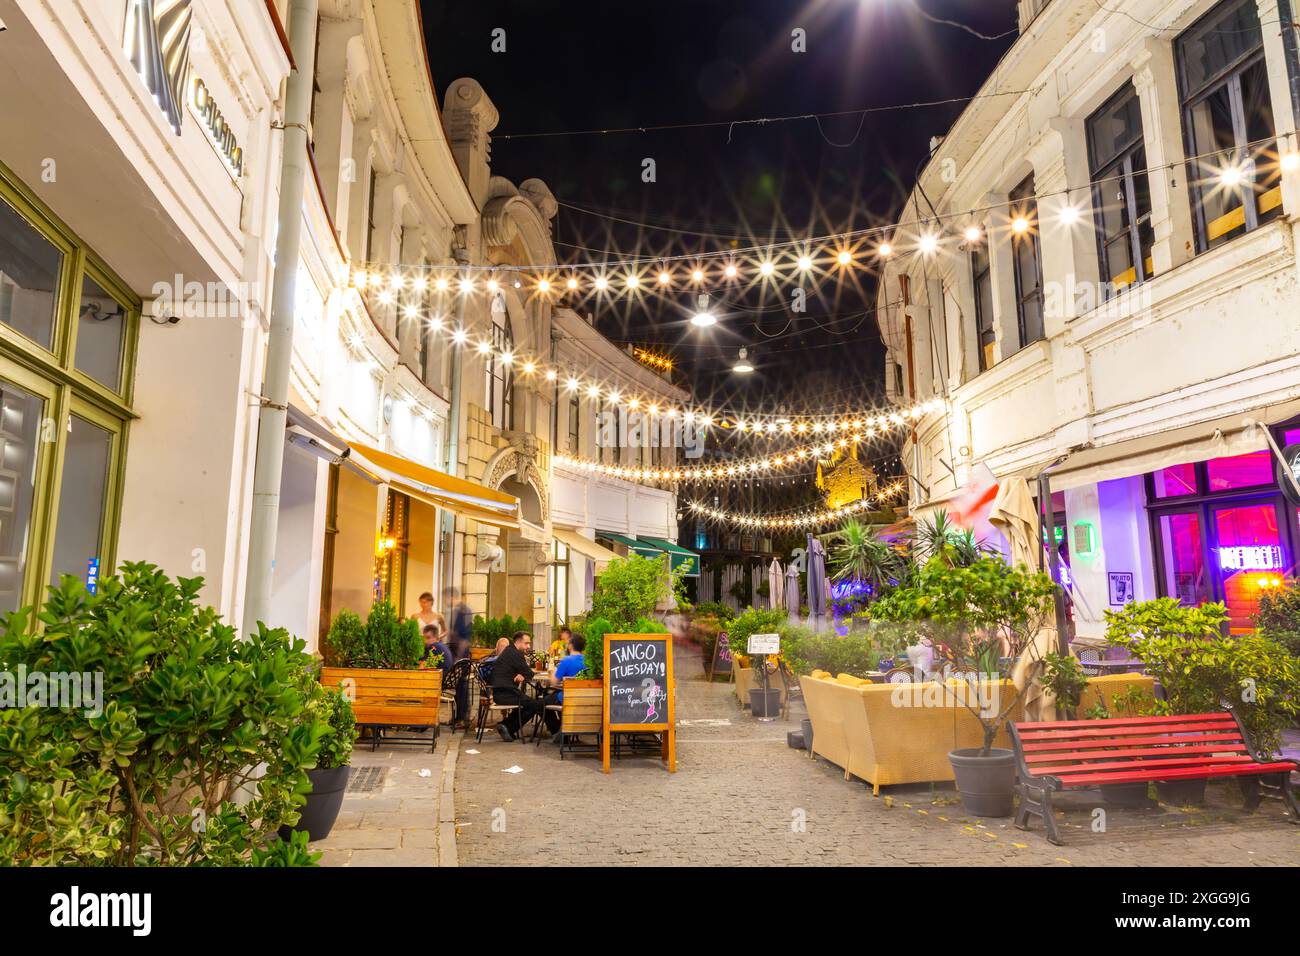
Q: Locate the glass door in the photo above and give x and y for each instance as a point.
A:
(1183, 573)
(1250, 554)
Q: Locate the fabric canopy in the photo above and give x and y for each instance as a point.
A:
(584, 546)
(687, 561)
(644, 549)
(437, 488)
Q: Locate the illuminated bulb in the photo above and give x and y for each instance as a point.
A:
(1020, 224)
(436, 324)
(529, 368)
(419, 283)
(360, 279)
(697, 276)
(1230, 177)
(493, 285)
(571, 384)
(409, 311)
(593, 391)
(664, 278)
(440, 284)
(704, 319)
(550, 375)
(972, 233)
(571, 284)
(484, 347)
(886, 249)
(460, 336)
(543, 285)
(730, 271)
(929, 243)
(1069, 215)
(804, 263)
(633, 280)
(466, 286)
(385, 298)
(766, 268)
(742, 365)
(518, 283)
(844, 258)
(396, 280)
(1291, 162)
(602, 283)
(506, 358)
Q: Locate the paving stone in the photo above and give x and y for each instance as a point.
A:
(395, 857)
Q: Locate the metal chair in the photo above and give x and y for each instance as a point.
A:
(900, 675)
(452, 679)
(486, 705)
(1089, 658)
(793, 689)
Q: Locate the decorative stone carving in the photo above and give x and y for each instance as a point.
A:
(522, 460)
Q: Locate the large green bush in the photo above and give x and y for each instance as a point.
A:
(382, 641)
(488, 630)
(754, 622)
(198, 754)
(594, 632)
(1279, 616)
(631, 588)
(806, 651)
(1202, 671)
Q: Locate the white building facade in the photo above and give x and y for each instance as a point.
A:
(1099, 274)
(139, 179)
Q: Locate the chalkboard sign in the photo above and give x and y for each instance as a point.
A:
(721, 656)
(639, 690)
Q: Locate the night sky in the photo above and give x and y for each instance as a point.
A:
(576, 66)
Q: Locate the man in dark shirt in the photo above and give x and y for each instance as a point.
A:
(510, 674)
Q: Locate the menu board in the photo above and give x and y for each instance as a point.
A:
(721, 655)
(638, 680)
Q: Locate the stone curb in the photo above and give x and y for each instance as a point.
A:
(447, 855)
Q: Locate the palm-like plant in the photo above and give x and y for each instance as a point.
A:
(937, 534)
(856, 554)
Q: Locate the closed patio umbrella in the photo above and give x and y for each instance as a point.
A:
(816, 580)
(792, 592)
(1040, 703)
(776, 585)
(1013, 513)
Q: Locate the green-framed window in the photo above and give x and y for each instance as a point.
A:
(68, 332)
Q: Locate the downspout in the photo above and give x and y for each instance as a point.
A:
(271, 416)
(461, 255)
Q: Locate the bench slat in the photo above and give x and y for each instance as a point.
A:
(1102, 743)
(1070, 769)
(1095, 732)
(1152, 722)
(1135, 752)
(1179, 773)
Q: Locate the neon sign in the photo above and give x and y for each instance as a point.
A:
(1251, 558)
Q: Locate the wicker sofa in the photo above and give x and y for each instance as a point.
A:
(889, 734)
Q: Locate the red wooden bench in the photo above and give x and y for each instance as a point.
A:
(1067, 754)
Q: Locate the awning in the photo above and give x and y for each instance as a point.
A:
(584, 546)
(304, 432)
(439, 489)
(636, 547)
(1233, 435)
(687, 561)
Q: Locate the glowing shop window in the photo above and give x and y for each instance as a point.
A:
(1250, 557)
(1184, 568)
(1176, 481)
(1240, 471)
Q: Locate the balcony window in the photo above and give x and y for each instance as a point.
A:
(1028, 259)
(1121, 196)
(1228, 123)
(982, 276)
(574, 426)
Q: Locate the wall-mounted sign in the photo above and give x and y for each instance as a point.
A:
(1121, 587)
(92, 575)
(214, 124)
(1085, 541)
(156, 39)
(1254, 557)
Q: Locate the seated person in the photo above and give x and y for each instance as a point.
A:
(510, 673)
(485, 666)
(433, 645)
(572, 665)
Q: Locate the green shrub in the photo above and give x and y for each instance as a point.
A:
(1201, 671)
(1279, 616)
(806, 651)
(754, 622)
(1064, 677)
(346, 639)
(630, 588)
(199, 753)
(335, 710)
(382, 642)
(594, 631)
(716, 609)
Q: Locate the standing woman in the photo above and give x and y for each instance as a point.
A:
(427, 615)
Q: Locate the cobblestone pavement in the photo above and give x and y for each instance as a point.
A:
(405, 817)
(740, 796)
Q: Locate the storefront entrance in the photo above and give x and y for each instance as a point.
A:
(1223, 532)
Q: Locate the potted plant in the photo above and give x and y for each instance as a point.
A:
(1064, 677)
(329, 779)
(984, 614)
(753, 687)
(1202, 671)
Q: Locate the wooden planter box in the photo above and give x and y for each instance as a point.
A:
(584, 701)
(387, 698)
(478, 653)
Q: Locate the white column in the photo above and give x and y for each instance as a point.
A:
(1156, 82)
(1279, 82)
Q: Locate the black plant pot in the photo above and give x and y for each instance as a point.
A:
(323, 803)
(1126, 794)
(765, 704)
(986, 784)
(1181, 793)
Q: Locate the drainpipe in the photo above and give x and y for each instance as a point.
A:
(461, 255)
(279, 349)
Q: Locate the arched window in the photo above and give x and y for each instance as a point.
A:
(500, 374)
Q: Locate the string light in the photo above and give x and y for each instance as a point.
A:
(801, 520)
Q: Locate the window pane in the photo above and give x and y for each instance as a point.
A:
(29, 277)
(1184, 559)
(1251, 556)
(20, 423)
(81, 499)
(1215, 143)
(101, 327)
(1176, 481)
(1114, 128)
(1213, 45)
(1240, 471)
(1258, 109)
